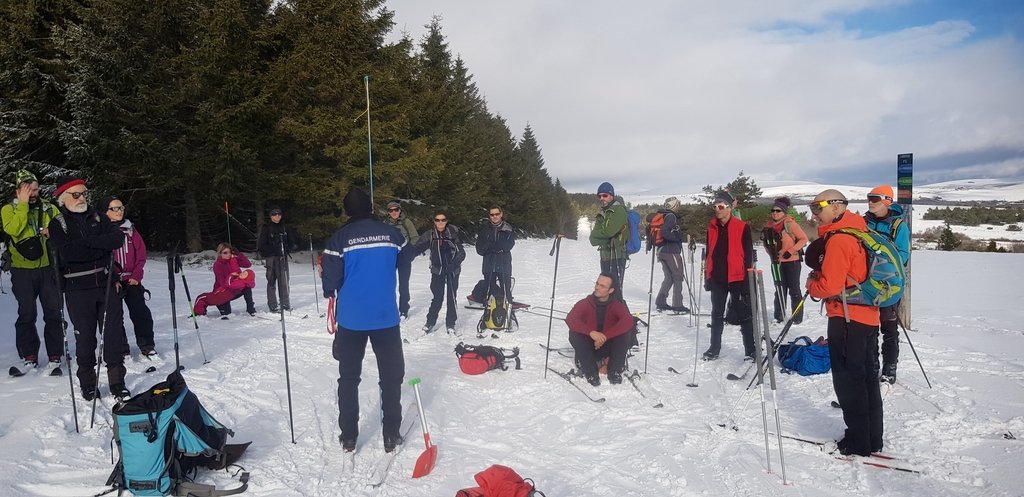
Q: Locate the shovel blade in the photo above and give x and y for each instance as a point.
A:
(425, 463)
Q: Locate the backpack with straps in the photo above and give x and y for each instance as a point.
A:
(479, 359)
(886, 278)
(633, 242)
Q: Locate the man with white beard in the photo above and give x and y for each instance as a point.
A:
(83, 241)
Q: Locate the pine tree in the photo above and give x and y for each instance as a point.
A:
(743, 190)
(948, 240)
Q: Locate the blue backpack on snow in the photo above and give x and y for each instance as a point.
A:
(805, 357)
(164, 436)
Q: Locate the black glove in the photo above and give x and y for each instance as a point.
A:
(786, 255)
(707, 285)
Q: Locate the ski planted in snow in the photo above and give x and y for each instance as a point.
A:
(380, 472)
(568, 377)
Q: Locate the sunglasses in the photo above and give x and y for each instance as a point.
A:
(119, 208)
(440, 220)
(776, 210)
(604, 195)
(78, 195)
(877, 198)
(495, 214)
(394, 209)
(817, 207)
(721, 207)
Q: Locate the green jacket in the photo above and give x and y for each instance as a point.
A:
(610, 231)
(405, 227)
(21, 221)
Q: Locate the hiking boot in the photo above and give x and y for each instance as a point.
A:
(403, 316)
(274, 309)
(147, 351)
(710, 355)
(661, 303)
(55, 359)
(450, 330)
(748, 358)
(90, 392)
(596, 380)
(846, 450)
(615, 378)
(681, 309)
(32, 361)
(348, 445)
(392, 441)
(251, 311)
(888, 373)
(429, 327)
(120, 392)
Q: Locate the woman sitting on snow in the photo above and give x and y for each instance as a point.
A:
(233, 279)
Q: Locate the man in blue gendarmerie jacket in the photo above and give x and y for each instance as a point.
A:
(359, 267)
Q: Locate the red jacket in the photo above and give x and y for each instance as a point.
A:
(844, 259)
(583, 317)
(223, 269)
(737, 270)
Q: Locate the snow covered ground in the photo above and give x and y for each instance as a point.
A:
(967, 316)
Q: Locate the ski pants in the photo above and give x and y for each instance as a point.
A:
(277, 282)
(142, 319)
(789, 284)
(444, 287)
(617, 269)
(404, 272)
(246, 294)
(675, 273)
(91, 316)
(27, 285)
(853, 350)
(349, 349)
(890, 334)
(614, 349)
(500, 285)
(740, 295)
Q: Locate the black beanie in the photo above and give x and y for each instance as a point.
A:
(357, 203)
(104, 204)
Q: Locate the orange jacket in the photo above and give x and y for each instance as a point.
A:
(793, 238)
(844, 259)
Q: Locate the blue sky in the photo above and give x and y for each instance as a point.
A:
(671, 95)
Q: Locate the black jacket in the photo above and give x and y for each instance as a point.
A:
(271, 237)
(495, 245)
(446, 252)
(83, 243)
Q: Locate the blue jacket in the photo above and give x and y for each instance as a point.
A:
(884, 225)
(359, 264)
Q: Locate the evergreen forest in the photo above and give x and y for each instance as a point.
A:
(201, 114)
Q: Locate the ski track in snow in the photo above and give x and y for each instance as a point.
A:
(968, 338)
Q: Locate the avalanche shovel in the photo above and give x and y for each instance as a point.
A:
(425, 463)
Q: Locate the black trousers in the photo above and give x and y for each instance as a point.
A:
(614, 349)
(890, 335)
(349, 349)
(853, 350)
(246, 294)
(27, 285)
(617, 269)
(142, 319)
(87, 309)
(740, 295)
(404, 272)
(444, 287)
(277, 282)
(790, 283)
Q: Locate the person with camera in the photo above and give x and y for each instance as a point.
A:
(25, 221)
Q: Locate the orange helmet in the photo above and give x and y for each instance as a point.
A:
(884, 192)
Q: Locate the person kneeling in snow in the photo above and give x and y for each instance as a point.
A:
(233, 278)
(599, 328)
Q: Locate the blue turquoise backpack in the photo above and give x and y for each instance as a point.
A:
(633, 243)
(886, 275)
(164, 436)
(805, 357)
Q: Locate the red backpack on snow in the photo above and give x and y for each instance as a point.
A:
(500, 481)
(480, 359)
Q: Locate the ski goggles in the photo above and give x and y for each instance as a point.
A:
(816, 207)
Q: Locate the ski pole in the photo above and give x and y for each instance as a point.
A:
(227, 220)
(912, 349)
(650, 295)
(753, 305)
(64, 329)
(771, 374)
(103, 331)
(312, 263)
(287, 376)
(171, 262)
(778, 340)
(191, 307)
(555, 247)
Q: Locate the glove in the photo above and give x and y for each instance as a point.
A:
(707, 285)
(787, 254)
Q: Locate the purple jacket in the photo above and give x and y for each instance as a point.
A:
(131, 257)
